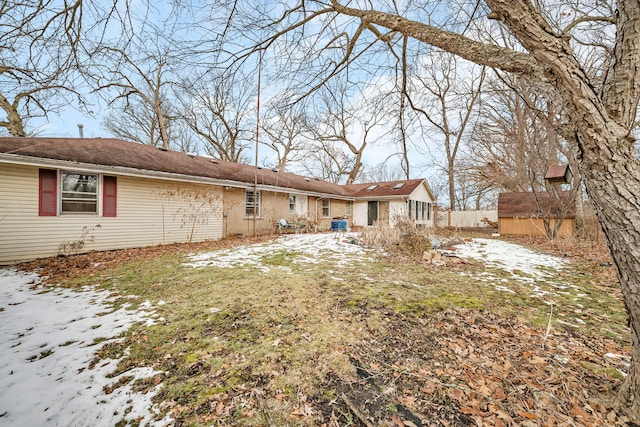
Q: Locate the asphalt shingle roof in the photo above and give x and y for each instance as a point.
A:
(145, 158)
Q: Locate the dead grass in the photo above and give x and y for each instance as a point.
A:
(391, 342)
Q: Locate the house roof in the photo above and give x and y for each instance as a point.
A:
(129, 155)
(384, 190)
(536, 205)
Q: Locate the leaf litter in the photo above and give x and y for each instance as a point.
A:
(444, 367)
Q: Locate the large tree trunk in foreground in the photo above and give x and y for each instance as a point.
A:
(614, 190)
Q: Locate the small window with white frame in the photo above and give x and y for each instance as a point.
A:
(292, 203)
(79, 193)
(326, 208)
(251, 203)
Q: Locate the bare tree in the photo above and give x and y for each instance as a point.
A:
(286, 132)
(448, 94)
(38, 52)
(327, 160)
(139, 76)
(345, 120)
(218, 110)
(383, 172)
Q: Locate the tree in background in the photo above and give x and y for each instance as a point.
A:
(136, 78)
(285, 132)
(444, 92)
(219, 111)
(38, 54)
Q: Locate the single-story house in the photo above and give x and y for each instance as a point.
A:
(388, 202)
(523, 213)
(72, 195)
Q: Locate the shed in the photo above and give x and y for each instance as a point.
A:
(523, 213)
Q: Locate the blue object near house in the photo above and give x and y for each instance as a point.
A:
(339, 225)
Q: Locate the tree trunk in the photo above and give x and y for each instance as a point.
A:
(614, 190)
(14, 124)
(453, 203)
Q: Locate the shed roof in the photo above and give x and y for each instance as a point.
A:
(537, 205)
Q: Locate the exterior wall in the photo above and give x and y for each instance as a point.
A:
(149, 212)
(337, 209)
(533, 227)
(360, 213)
(422, 195)
(397, 210)
(273, 207)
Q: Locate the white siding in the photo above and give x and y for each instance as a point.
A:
(360, 213)
(422, 195)
(397, 210)
(149, 212)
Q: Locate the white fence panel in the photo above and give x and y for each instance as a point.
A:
(466, 218)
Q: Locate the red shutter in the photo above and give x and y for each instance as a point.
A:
(109, 195)
(48, 194)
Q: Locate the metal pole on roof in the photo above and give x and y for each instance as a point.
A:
(255, 181)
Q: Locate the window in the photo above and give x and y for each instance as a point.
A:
(349, 207)
(398, 185)
(429, 209)
(79, 193)
(326, 208)
(292, 203)
(411, 209)
(372, 187)
(250, 202)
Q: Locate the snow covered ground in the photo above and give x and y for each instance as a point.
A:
(308, 248)
(510, 257)
(48, 337)
(47, 341)
(536, 270)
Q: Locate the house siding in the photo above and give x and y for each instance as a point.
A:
(274, 206)
(392, 210)
(149, 212)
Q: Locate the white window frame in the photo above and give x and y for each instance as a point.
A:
(292, 203)
(248, 204)
(326, 206)
(62, 199)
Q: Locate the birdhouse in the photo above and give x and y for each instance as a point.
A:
(559, 174)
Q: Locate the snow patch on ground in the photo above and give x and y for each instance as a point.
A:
(539, 271)
(309, 249)
(48, 338)
(512, 258)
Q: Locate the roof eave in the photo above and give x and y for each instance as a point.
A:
(144, 173)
